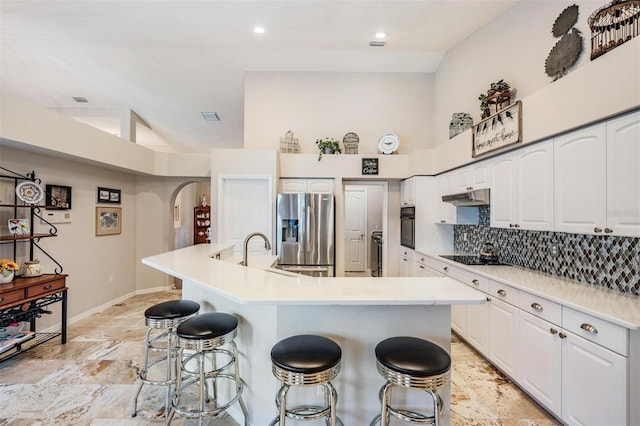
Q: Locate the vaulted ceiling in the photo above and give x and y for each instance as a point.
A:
(171, 60)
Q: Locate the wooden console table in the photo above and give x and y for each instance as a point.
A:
(23, 299)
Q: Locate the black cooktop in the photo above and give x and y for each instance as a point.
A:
(471, 260)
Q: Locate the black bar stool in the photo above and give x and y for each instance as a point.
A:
(306, 360)
(411, 363)
(164, 318)
(208, 334)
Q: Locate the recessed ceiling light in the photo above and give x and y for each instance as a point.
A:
(258, 30)
(210, 116)
(381, 35)
(80, 99)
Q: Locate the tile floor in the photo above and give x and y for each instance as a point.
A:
(91, 379)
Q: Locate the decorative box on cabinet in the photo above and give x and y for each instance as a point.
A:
(24, 299)
(201, 224)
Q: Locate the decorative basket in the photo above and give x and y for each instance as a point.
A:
(289, 144)
(350, 142)
(460, 121)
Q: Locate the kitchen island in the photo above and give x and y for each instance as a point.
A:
(355, 312)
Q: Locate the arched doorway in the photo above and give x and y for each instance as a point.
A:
(185, 198)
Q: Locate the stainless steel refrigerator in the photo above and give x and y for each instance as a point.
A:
(305, 234)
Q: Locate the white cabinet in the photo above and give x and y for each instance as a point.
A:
(597, 179)
(475, 176)
(301, 186)
(522, 188)
(408, 192)
(406, 262)
(422, 269)
(446, 186)
(503, 336)
(540, 367)
(623, 175)
(580, 181)
(594, 384)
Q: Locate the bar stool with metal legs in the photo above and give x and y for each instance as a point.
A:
(414, 364)
(163, 318)
(208, 354)
(306, 360)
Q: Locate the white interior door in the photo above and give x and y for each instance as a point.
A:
(245, 207)
(355, 229)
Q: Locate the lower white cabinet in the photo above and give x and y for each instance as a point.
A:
(477, 332)
(503, 336)
(406, 262)
(540, 366)
(594, 383)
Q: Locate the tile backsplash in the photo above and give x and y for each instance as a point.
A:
(607, 261)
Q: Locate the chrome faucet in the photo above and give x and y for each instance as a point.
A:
(245, 249)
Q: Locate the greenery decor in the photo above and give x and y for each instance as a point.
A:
(498, 94)
(328, 146)
(7, 267)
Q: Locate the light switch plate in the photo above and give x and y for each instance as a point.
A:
(60, 216)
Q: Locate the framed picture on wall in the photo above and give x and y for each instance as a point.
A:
(58, 197)
(108, 195)
(108, 220)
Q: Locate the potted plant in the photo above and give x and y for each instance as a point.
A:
(8, 268)
(499, 94)
(328, 146)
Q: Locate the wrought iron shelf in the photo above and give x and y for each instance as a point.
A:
(11, 238)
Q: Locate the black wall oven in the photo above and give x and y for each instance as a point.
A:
(408, 227)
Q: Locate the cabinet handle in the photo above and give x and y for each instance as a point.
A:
(501, 292)
(608, 230)
(553, 331)
(404, 259)
(421, 267)
(589, 328)
(516, 226)
(443, 221)
(476, 282)
(488, 299)
(511, 225)
(446, 269)
(562, 336)
(47, 287)
(537, 306)
(596, 229)
(1, 299)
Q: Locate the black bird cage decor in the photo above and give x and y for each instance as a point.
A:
(613, 25)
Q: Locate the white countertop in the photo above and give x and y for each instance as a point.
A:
(257, 284)
(611, 305)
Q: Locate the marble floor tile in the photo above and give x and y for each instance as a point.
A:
(91, 380)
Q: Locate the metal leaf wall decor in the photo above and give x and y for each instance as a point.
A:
(613, 25)
(568, 49)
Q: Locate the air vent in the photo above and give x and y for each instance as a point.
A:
(210, 116)
(377, 43)
(80, 99)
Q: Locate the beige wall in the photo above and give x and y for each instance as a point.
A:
(320, 105)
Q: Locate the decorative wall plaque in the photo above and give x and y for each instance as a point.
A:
(497, 131)
(369, 166)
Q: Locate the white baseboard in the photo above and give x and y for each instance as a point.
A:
(86, 314)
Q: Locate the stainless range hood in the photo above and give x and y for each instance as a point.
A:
(476, 197)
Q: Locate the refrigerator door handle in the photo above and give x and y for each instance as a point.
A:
(308, 230)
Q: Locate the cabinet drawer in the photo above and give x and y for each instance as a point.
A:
(504, 292)
(45, 287)
(448, 270)
(604, 333)
(408, 253)
(11, 296)
(476, 281)
(541, 307)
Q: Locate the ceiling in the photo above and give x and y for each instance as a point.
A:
(169, 61)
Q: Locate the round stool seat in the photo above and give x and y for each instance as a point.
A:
(167, 314)
(207, 331)
(306, 354)
(413, 356)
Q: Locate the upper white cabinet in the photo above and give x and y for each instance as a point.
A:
(580, 181)
(446, 185)
(623, 175)
(408, 192)
(301, 186)
(475, 176)
(522, 188)
(597, 179)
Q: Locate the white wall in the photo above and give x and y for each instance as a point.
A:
(514, 47)
(320, 105)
